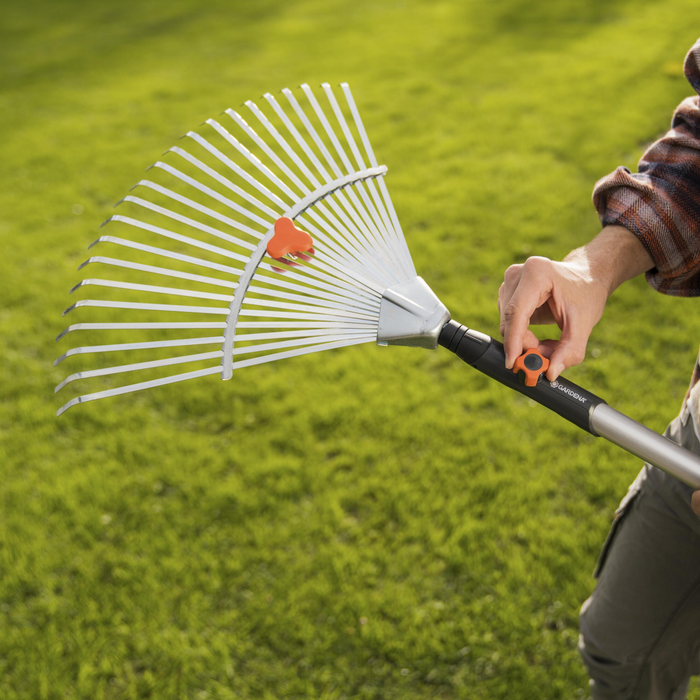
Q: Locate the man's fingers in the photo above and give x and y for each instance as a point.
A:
(516, 319)
(533, 289)
(530, 340)
(547, 347)
(567, 354)
(543, 316)
(511, 278)
(571, 349)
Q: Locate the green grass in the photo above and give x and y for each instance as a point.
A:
(367, 523)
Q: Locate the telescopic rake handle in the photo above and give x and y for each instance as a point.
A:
(570, 401)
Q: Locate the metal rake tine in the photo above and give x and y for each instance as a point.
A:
(295, 342)
(382, 185)
(145, 345)
(177, 236)
(351, 313)
(140, 386)
(210, 296)
(335, 276)
(348, 267)
(334, 268)
(337, 287)
(367, 225)
(352, 210)
(153, 325)
(296, 134)
(161, 252)
(305, 324)
(301, 316)
(319, 144)
(176, 217)
(309, 332)
(338, 259)
(311, 130)
(223, 180)
(207, 211)
(257, 163)
(261, 143)
(324, 277)
(369, 338)
(213, 194)
(247, 350)
(343, 125)
(376, 212)
(330, 300)
(137, 366)
(154, 289)
(346, 227)
(197, 138)
(102, 303)
(327, 127)
(270, 153)
(378, 248)
(315, 182)
(344, 259)
(383, 221)
(324, 281)
(153, 269)
(312, 284)
(371, 217)
(252, 159)
(188, 240)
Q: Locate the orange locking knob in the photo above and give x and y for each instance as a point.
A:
(530, 365)
(288, 239)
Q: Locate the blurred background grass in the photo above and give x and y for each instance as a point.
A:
(367, 523)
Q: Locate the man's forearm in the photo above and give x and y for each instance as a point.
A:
(614, 256)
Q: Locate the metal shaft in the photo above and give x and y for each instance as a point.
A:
(646, 444)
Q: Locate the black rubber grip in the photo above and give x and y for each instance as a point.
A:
(487, 355)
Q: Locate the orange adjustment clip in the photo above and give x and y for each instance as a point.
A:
(288, 239)
(530, 365)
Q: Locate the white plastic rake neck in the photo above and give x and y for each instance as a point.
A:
(259, 253)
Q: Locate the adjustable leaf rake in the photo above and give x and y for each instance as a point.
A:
(287, 244)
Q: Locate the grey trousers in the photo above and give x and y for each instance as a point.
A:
(640, 630)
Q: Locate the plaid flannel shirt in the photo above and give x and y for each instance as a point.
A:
(660, 204)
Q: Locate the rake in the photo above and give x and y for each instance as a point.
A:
(282, 240)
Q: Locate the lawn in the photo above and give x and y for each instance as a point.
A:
(370, 523)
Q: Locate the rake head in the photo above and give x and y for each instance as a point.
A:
(283, 244)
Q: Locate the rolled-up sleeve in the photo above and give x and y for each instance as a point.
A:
(660, 204)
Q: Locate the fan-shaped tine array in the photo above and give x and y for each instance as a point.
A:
(195, 239)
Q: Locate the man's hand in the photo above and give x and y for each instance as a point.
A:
(571, 293)
(541, 291)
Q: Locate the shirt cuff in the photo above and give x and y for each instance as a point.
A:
(635, 202)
